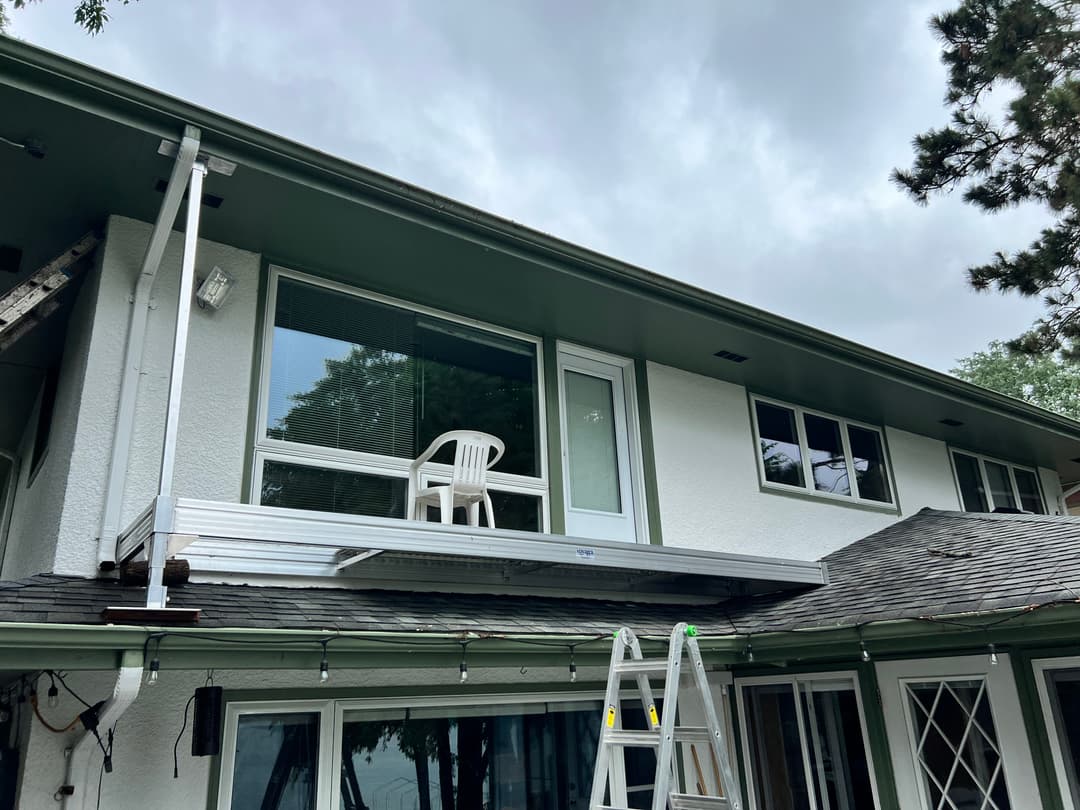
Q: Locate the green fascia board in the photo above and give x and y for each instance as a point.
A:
(94, 646)
(52, 76)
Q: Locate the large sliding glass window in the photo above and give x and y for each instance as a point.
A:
(805, 743)
(354, 387)
(820, 454)
(535, 752)
(986, 485)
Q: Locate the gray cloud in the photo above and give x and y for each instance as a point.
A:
(742, 147)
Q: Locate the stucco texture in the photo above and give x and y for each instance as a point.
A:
(142, 774)
(710, 494)
(217, 384)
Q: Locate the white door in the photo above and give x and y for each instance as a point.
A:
(956, 734)
(598, 465)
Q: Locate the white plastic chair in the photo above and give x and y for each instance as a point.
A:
(468, 485)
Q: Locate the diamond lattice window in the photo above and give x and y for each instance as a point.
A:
(956, 745)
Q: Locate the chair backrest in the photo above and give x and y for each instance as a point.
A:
(471, 457)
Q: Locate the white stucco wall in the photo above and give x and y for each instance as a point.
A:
(217, 385)
(142, 774)
(710, 494)
(38, 505)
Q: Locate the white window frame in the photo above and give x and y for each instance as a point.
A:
(796, 683)
(1005, 708)
(332, 716)
(808, 473)
(633, 428)
(1009, 465)
(326, 789)
(1040, 667)
(269, 449)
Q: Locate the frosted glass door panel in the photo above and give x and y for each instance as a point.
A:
(596, 443)
(592, 455)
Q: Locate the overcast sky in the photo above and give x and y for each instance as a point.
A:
(744, 147)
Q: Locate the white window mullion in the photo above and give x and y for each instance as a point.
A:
(805, 745)
(845, 444)
(804, 450)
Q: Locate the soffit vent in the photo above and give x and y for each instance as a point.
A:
(724, 354)
(951, 422)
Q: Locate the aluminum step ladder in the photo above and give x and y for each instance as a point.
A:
(29, 303)
(663, 734)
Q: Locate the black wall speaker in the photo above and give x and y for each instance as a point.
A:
(206, 731)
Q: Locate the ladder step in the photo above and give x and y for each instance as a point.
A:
(638, 666)
(688, 801)
(642, 739)
(693, 734)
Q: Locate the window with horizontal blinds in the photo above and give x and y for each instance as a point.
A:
(352, 374)
(356, 386)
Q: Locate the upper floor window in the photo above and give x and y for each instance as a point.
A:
(820, 454)
(986, 484)
(355, 386)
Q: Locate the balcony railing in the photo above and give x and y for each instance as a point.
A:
(228, 538)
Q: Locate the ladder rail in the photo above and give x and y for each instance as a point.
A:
(712, 722)
(663, 734)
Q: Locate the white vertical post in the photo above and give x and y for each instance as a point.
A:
(156, 592)
(186, 154)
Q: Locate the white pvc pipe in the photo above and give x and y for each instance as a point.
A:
(79, 773)
(140, 312)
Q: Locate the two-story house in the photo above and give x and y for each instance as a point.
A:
(208, 436)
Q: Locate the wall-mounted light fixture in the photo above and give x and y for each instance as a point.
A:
(215, 288)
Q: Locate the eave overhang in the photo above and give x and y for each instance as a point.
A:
(852, 379)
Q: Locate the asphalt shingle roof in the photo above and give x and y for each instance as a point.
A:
(931, 564)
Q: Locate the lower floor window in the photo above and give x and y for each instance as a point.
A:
(804, 744)
(314, 755)
(1060, 690)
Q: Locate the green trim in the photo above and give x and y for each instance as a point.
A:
(458, 693)
(556, 492)
(874, 716)
(52, 76)
(256, 380)
(648, 451)
(1035, 724)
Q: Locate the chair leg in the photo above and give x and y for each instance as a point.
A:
(490, 511)
(473, 510)
(446, 504)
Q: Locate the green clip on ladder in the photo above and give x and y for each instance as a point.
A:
(663, 734)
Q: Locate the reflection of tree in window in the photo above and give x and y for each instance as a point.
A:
(391, 380)
(780, 453)
(827, 460)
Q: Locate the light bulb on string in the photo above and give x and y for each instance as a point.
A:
(152, 676)
(463, 667)
(749, 652)
(865, 653)
(993, 655)
(53, 693)
(324, 666)
(573, 667)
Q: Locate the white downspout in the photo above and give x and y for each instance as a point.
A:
(79, 773)
(129, 381)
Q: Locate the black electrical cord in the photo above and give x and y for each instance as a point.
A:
(63, 683)
(176, 745)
